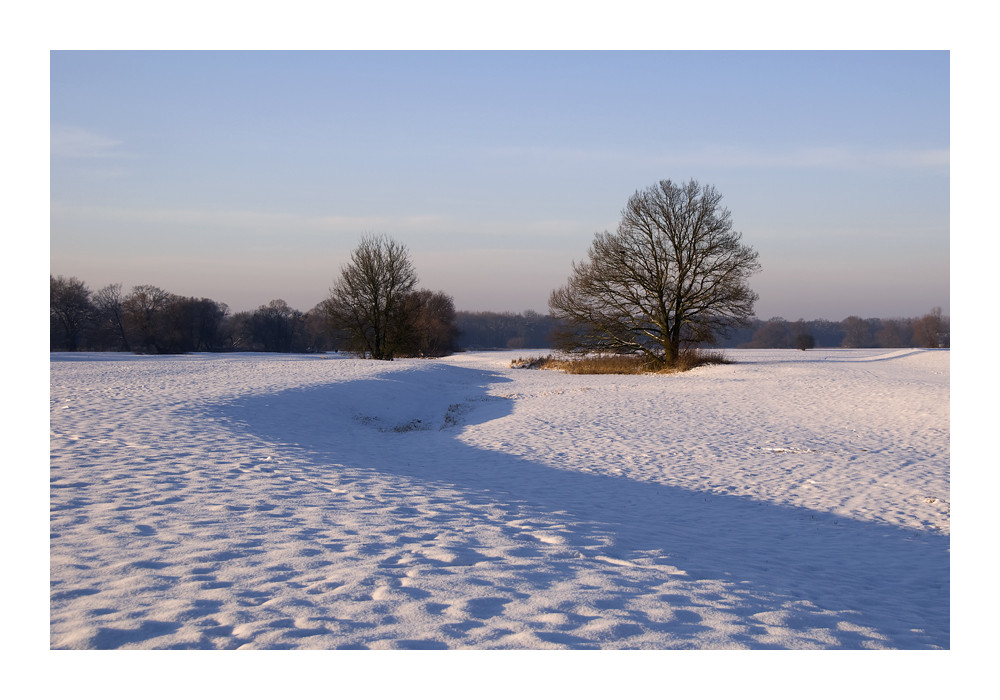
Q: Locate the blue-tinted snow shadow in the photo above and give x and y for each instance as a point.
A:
(893, 580)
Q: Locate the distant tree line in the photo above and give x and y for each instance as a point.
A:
(147, 319)
(150, 320)
(491, 330)
(932, 330)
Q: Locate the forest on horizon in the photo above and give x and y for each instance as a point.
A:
(151, 320)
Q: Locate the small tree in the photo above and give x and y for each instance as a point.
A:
(805, 341)
(675, 272)
(367, 302)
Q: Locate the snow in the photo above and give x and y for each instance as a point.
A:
(794, 500)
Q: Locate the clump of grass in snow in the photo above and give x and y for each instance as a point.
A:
(689, 359)
(620, 364)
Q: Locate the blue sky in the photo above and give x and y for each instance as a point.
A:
(249, 176)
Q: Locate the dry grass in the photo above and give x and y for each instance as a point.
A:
(620, 364)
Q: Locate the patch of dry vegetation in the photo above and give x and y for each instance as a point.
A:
(621, 364)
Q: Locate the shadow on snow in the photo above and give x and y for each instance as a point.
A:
(406, 424)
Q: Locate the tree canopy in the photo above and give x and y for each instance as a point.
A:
(367, 302)
(673, 273)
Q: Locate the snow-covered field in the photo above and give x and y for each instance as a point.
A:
(795, 500)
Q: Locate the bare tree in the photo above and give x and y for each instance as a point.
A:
(109, 302)
(775, 333)
(858, 332)
(367, 302)
(674, 273)
(70, 309)
(275, 326)
(143, 312)
(931, 330)
(316, 334)
(209, 322)
(894, 333)
(429, 328)
(189, 324)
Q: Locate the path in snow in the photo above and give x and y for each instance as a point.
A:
(298, 502)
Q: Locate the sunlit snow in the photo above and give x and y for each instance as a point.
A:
(793, 500)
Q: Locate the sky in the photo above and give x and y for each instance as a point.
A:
(247, 176)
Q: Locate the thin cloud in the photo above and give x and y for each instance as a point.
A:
(75, 142)
(829, 158)
(249, 221)
(721, 156)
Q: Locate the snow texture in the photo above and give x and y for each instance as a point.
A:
(794, 500)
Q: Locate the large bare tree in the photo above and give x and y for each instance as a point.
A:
(367, 302)
(675, 272)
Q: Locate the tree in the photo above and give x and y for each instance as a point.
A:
(674, 273)
(109, 302)
(931, 330)
(209, 321)
(238, 331)
(275, 326)
(70, 310)
(367, 302)
(143, 310)
(805, 341)
(189, 324)
(858, 332)
(776, 333)
(429, 328)
(894, 333)
(317, 334)
(828, 334)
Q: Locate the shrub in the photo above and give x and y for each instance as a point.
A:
(620, 364)
(691, 358)
(805, 341)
